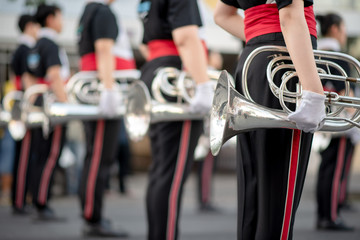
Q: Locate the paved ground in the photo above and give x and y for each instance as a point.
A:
(128, 212)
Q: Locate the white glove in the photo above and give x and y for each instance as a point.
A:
(202, 101)
(354, 135)
(109, 101)
(309, 116)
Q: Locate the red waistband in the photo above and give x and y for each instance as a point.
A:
(88, 63)
(264, 19)
(18, 83)
(42, 81)
(165, 47)
(161, 48)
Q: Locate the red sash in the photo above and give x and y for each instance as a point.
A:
(88, 63)
(165, 47)
(264, 19)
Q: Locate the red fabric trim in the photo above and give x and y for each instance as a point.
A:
(264, 19)
(161, 48)
(42, 81)
(22, 170)
(164, 47)
(50, 165)
(336, 179)
(94, 168)
(345, 178)
(293, 168)
(18, 83)
(88, 63)
(178, 176)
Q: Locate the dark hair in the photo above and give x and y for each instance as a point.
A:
(25, 19)
(328, 20)
(43, 11)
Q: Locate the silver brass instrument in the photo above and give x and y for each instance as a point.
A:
(142, 110)
(234, 113)
(4, 118)
(83, 90)
(12, 114)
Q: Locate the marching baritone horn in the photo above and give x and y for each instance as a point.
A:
(142, 110)
(233, 113)
(5, 117)
(12, 114)
(83, 90)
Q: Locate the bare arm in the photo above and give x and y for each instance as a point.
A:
(191, 52)
(56, 83)
(105, 61)
(228, 18)
(298, 43)
(143, 48)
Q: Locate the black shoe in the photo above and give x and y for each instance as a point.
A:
(209, 208)
(47, 214)
(21, 211)
(348, 207)
(338, 225)
(102, 229)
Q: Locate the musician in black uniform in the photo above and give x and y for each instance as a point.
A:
(103, 46)
(336, 158)
(171, 33)
(272, 163)
(29, 29)
(49, 64)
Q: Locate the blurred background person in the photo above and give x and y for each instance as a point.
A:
(29, 29)
(333, 175)
(103, 47)
(171, 33)
(48, 63)
(7, 150)
(124, 159)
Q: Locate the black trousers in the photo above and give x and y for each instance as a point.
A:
(205, 175)
(332, 177)
(45, 157)
(271, 163)
(101, 146)
(22, 171)
(172, 145)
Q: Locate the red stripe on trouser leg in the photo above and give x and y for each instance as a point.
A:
(336, 179)
(94, 167)
(345, 179)
(22, 169)
(178, 176)
(293, 168)
(50, 165)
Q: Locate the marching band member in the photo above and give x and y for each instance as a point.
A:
(336, 158)
(103, 46)
(272, 163)
(29, 28)
(49, 64)
(171, 33)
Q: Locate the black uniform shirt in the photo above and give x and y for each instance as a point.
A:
(18, 61)
(46, 54)
(245, 4)
(161, 17)
(97, 22)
